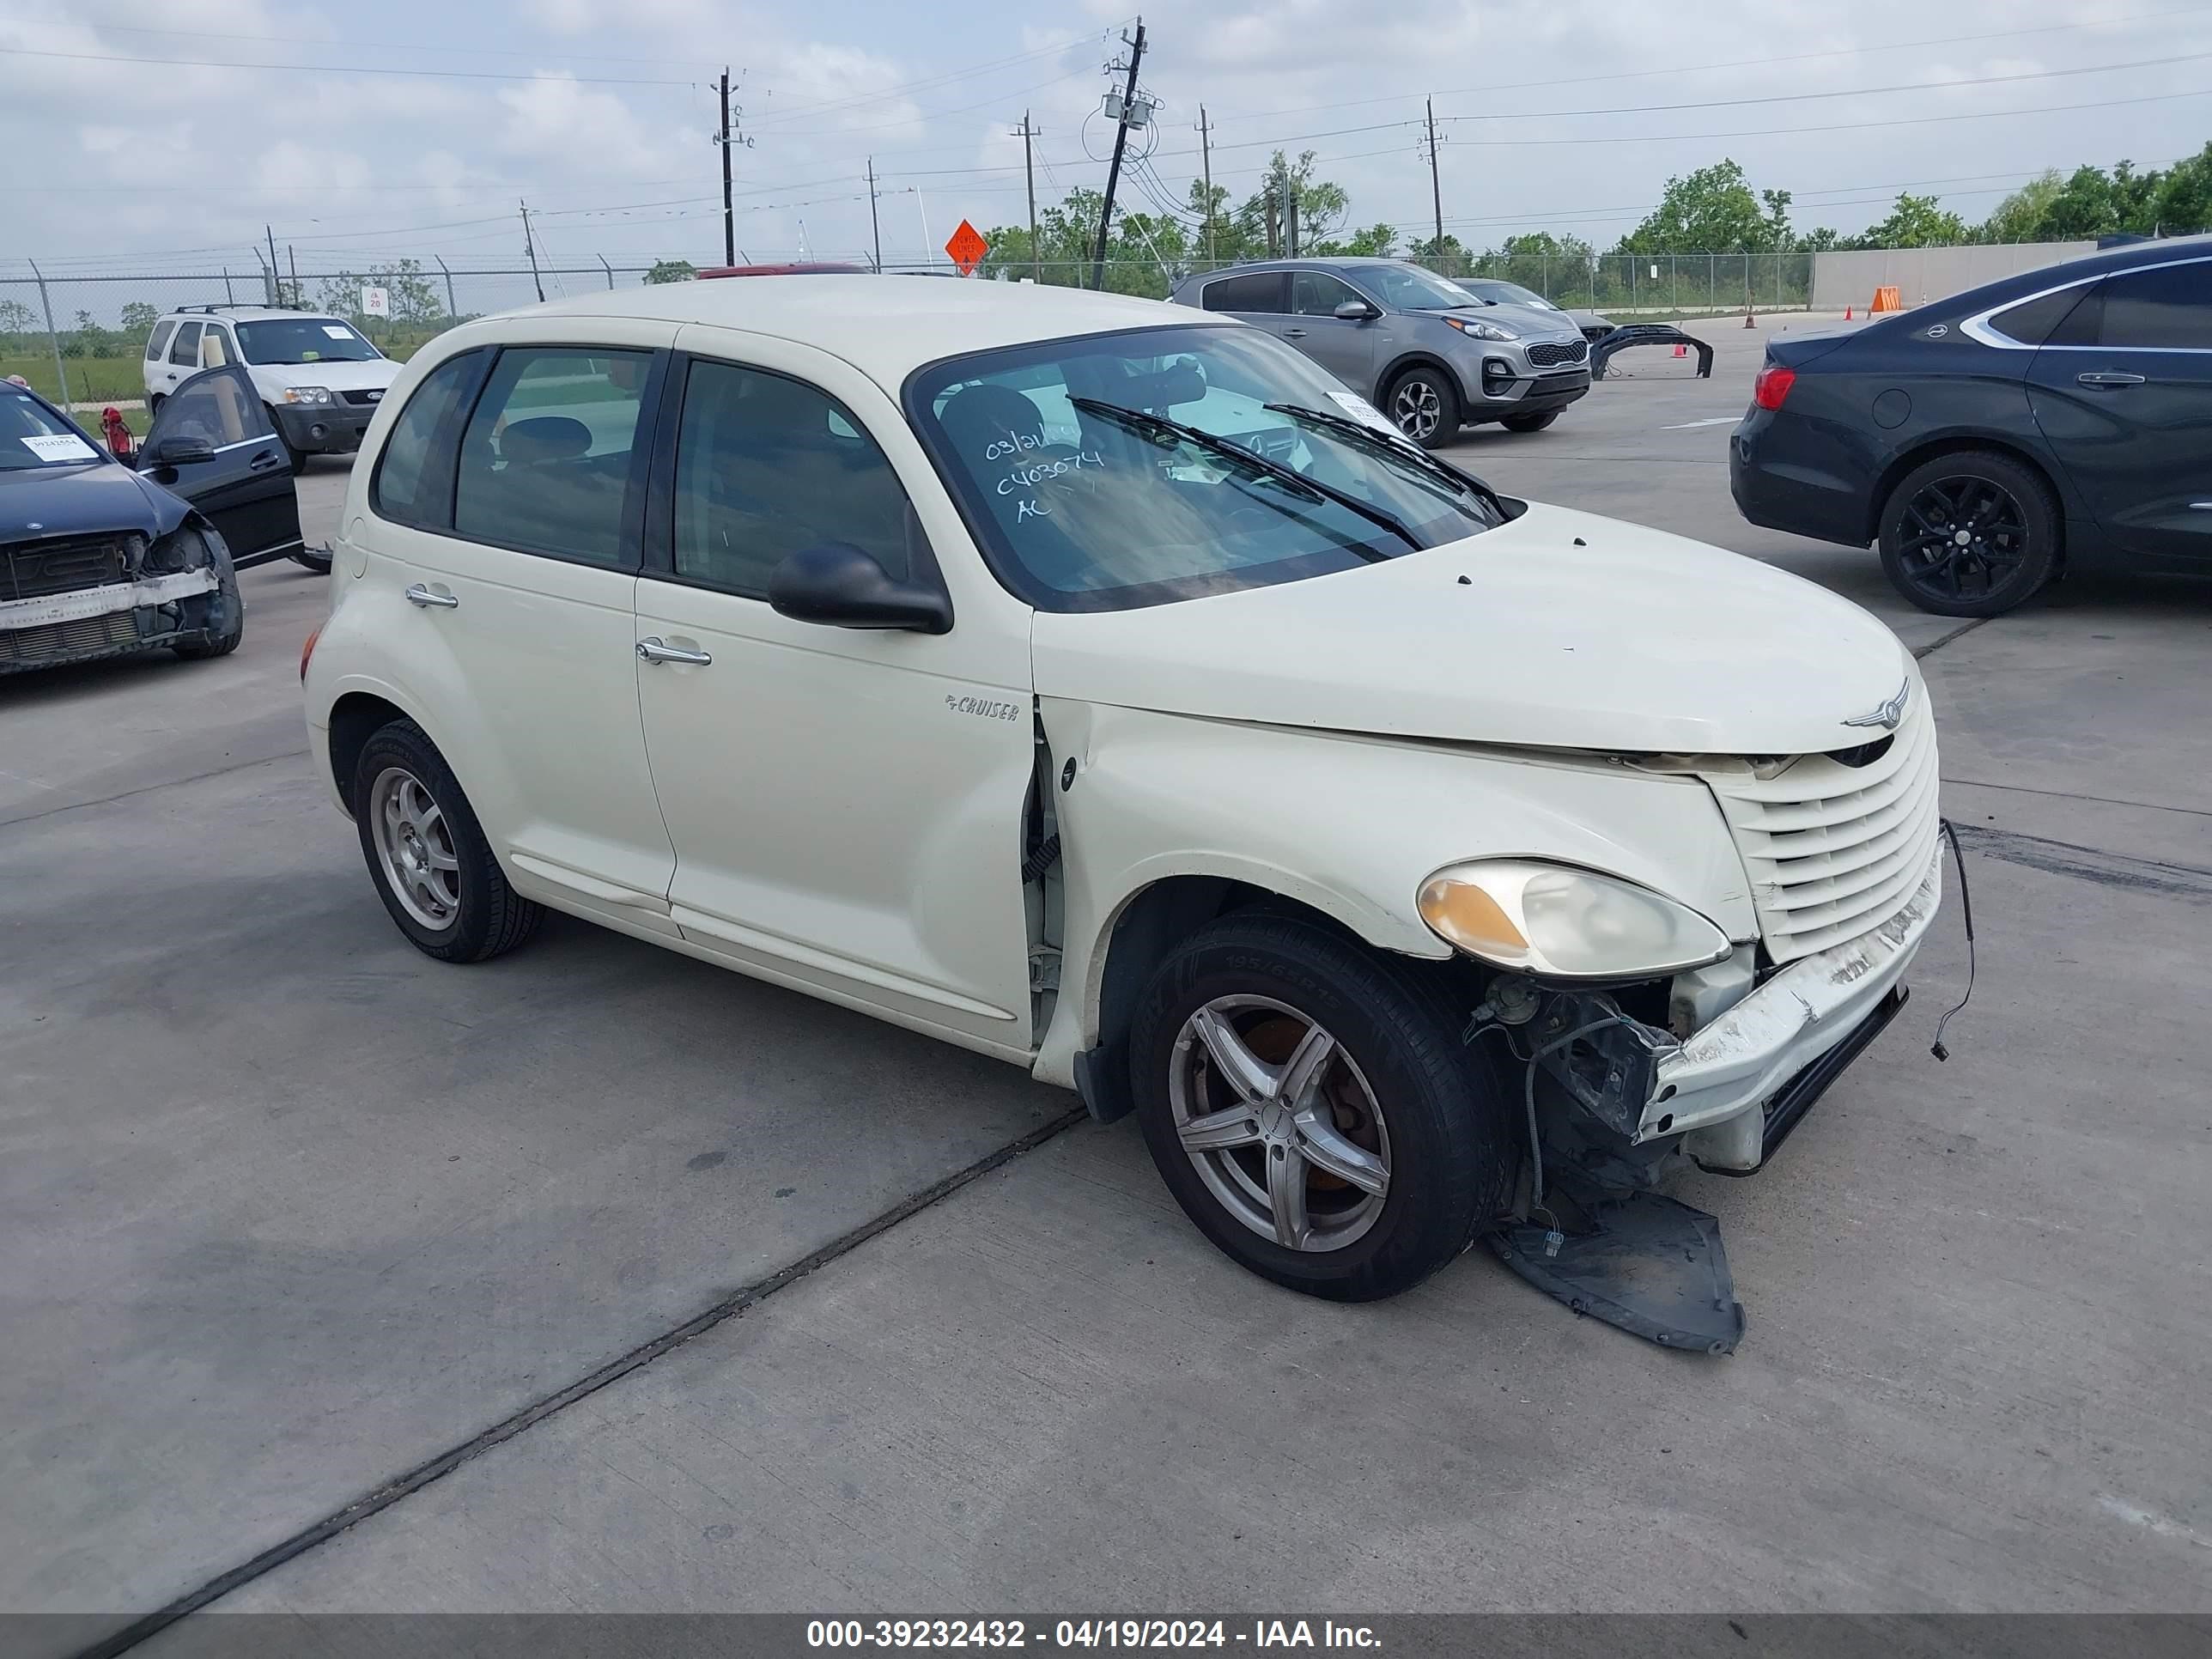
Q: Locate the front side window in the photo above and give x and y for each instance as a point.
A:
(1410, 288)
(1261, 292)
(303, 340)
(2166, 309)
(184, 350)
(220, 408)
(766, 467)
(548, 464)
(1085, 500)
(159, 342)
(413, 480)
(1317, 294)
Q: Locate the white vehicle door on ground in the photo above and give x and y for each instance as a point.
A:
(846, 803)
(527, 593)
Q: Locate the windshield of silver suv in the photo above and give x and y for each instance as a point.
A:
(303, 340)
(1409, 288)
(1113, 472)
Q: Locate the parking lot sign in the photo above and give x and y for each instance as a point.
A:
(375, 302)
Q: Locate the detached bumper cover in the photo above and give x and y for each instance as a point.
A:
(1738, 1062)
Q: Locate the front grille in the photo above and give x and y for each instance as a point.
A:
(54, 640)
(1550, 354)
(1834, 848)
(360, 397)
(63, 565)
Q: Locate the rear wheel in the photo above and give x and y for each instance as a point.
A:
(1313, 1111)
(428, 855)
(1424, 405)
(1530, 422)
(1971, 534)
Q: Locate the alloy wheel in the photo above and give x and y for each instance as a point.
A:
(1418, 409)
(1280, 1123)
(415, 845)
(1961, 538)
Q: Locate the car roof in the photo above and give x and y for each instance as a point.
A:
(886, 325)
(2129, 256)
(244, 313)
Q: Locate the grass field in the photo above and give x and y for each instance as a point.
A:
(91, 379)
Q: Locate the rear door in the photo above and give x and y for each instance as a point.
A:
(2123, 390)
(241, 480)
(1259, 297)
(182, 362)
(1345, 350)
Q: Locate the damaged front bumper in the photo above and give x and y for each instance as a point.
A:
(88, 623)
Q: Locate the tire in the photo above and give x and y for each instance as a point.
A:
(232, 631)
(461, 908)
(1400, 1088)
(2008, 511)
(316, 562)
(154, 402)
(1424, 405)
(1529, 423)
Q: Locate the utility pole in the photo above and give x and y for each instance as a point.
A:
(276, 292)
(1291, 215)
(875, 225)
(292, 256)
(1436, 187)
(530, 248)
(729, 213)
(1029, 171)
(1206, 163)
(1121, 143)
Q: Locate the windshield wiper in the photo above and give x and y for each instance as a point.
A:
(1396, 449)
(1288, 475)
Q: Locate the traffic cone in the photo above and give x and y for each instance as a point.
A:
(1681, 350)
(1847, 313)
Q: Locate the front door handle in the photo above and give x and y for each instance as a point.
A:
(263, 462)
(2103, 377)
(1294, 334)
(654, 649)
(422, 596)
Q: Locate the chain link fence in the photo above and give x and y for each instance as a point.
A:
(86, 332)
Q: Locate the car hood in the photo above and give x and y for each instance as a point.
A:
(1526, 322)
(338, 376)
(83, 501)
(1560, 629)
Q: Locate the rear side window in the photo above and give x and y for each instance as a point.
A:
(548, 464)
(160, 341)
(2168, 309)
(2032, 322)
(413, 480)
(1263, 291)
(767, 467)
(184, 350)
(214, 342)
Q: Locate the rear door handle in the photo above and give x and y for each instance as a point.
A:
(422, 596)
(263, 461)
(2105, 377)
(654, 649)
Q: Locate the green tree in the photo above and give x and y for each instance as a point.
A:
(1376, 242)
(1323, 206)
(139, 318)
(2019, 217)
(413, 297)
(2183, 204)
(1712, 211)
(16, 320)
(1446, 255)
(1916, 221)
(671, 271)
(1818, 240)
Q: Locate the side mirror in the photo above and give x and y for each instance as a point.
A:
(837, 584)
(182, 450)
(1357, 310)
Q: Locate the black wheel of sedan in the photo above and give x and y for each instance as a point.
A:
(432, 865)
(1313, 1110)
(1970, 535)
(1424, 405)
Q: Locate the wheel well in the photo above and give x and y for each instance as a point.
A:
(1879, 497)
(1151, 925)
(1419, 360)
(355, 718)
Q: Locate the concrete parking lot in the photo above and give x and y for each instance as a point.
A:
(288, 1210)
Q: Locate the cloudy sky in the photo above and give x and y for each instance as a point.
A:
(1559, 114)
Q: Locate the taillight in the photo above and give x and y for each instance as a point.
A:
(307, 651)
(1773, 386)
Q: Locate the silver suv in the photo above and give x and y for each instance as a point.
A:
(1430, 355)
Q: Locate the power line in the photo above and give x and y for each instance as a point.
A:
(339, 69)
(928, 81)
(378, 46)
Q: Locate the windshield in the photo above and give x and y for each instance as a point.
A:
(303, 340)
(1410, 288)
(1065, 458)
(1505, 293)
(33, 435)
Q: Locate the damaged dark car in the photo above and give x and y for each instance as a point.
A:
(98, 560)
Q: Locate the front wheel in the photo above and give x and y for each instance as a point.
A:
(428, 855)
(1971, 534)
(316, 559)
(1311, 1107)
(1530, 422)
(1424, 405)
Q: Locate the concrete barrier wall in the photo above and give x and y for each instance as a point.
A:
(1922, 274)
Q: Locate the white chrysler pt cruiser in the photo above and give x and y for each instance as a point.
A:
(1106, 689)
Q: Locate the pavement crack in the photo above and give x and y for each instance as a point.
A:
(436, 1468)
(1959, 632)
(2069, 795)
(2064, 858)
(148, 789)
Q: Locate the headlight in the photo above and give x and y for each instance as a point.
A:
(182, 549)
(1481, 330)
(307, 394)
(1572, 924)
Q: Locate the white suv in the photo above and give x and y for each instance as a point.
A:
(321, 379)
(1103, 688)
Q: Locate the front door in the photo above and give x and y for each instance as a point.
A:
(1345, 350)
(846, 805)
(2123, 391)
(241, 480)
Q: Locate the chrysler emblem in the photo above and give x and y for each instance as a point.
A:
(1890, 715)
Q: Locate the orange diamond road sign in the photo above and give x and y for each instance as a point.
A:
(967, 248)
